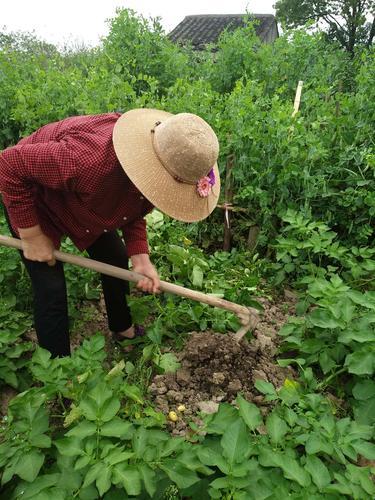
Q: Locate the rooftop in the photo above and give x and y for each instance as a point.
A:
(203, 29)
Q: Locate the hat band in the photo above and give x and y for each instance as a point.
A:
(159, 156)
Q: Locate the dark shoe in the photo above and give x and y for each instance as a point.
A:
(127, 342)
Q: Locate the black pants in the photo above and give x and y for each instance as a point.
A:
(50, 299)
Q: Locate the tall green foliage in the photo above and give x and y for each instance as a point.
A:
(320, 163)
(346, 20)
(137, 46)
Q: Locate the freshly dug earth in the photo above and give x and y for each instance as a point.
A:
(214, 368)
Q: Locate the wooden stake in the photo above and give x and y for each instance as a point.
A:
(253, 237)
(228, 194)
(297, 99)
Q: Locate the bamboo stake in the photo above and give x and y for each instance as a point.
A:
(228, 202)
(248, 316)
(297, 99)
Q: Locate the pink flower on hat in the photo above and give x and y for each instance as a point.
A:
(204, 187)
(205, 184)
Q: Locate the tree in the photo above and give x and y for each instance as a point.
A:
(346, 19)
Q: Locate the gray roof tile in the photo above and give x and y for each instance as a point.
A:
(203, 29)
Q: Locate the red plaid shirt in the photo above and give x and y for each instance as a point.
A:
(66, 177)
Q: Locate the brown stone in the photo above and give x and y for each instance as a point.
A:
(218, 378)
(183, 376)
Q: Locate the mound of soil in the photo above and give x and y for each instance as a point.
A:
(214, 368)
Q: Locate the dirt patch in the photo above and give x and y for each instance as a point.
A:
(214, 368)
(7, 393)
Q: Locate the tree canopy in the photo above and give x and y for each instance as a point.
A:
(346, 20)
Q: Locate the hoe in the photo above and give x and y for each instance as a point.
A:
(248, 316)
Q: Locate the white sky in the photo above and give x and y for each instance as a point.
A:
(75, 21)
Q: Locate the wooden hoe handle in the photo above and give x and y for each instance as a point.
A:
(247, 315)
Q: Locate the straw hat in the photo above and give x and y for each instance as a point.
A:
(171, 159)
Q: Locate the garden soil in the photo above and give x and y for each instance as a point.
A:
(214, 368)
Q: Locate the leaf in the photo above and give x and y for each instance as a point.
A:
(291, 417)
(360, 476)
(168, 362)
(100, 394)
(326, 362)
(40, 441)
(318, 470)
(103, 482)
(197, 277)
(361, 362)
(82, 430)
(208, 456)
(41, 357)
(294, 471)
(249, 412)
(191, 461)
(83, 377)
(74, 414)
(365, 449)
(129, 368)
(265, 388)
(276, 428)
(109, 409)
(148, 352)
(222, 418)
(118, 457)
(82, 462)
(364, 389)
(89, 408)
(69, 446)
(140, 438)
(129, 477)
(116, 370)
(93, 473)
(269, 458)
(171, 446)
(117, 428)
(364, 411)
(41, 483)
(291, 468)
(350, 335)
(315, 444)
(284, 362)
(149, 479)
(29, 465)
(180, 475)
(220, 483)
(235, 442)
(133, 392)
(323, 319)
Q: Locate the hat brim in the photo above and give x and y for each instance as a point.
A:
(132, 140)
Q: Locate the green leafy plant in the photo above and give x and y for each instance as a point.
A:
(308, 247)
(300, 448)
(337, 335)
(13, 324)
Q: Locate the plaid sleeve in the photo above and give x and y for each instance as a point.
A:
(135, 237)
(51, 164)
